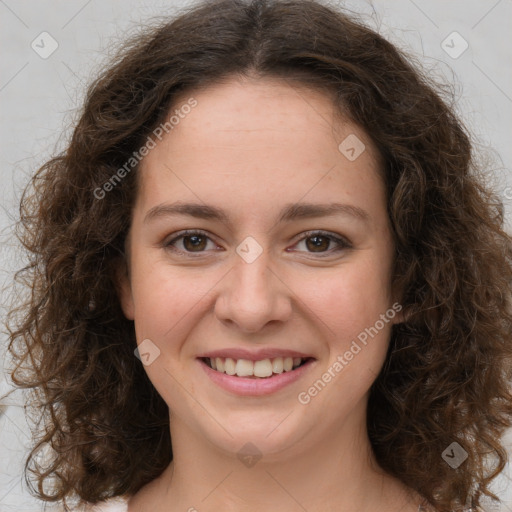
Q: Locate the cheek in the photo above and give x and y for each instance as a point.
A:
(349, 299)
(355, 344)
(164, 299)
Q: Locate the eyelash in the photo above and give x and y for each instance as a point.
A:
(343, 244)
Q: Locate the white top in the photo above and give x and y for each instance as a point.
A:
(117, 504)
(120, 504)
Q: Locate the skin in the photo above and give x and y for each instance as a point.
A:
(250, 147)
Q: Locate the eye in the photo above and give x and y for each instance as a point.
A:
(196, 241)
(320, 241)
(192, 241)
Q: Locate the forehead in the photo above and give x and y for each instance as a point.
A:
(235, 107)
(253, 142)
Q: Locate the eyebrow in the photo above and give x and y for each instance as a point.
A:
(290, 212)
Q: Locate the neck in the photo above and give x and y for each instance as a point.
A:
(309, 475)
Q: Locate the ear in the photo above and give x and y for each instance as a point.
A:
(124, 289)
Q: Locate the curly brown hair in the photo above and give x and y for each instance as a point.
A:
(449, 365)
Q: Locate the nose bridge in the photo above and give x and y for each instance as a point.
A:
(252, 295)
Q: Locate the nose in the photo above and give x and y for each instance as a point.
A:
(253, 295)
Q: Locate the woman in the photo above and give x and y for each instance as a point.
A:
(266, 275)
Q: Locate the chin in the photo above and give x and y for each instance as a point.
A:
(266, 435)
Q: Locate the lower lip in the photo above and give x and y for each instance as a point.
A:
(256, 386)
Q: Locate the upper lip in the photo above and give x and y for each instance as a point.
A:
(254, 355)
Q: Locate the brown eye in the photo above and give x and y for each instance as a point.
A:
(191, 242)
(320, 242)
(194, 242)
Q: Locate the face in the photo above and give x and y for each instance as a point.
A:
(260, 241)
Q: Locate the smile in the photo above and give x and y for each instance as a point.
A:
(259, 377)
(263, 368)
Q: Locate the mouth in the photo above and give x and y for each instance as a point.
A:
(260, 369)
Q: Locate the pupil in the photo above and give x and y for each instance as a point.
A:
(194, 245)
(318, 241)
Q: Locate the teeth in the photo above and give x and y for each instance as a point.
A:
(244, 368)
(229, 366)
(262, 369)
(277, 365)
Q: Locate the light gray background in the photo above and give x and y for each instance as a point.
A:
(38, 97)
